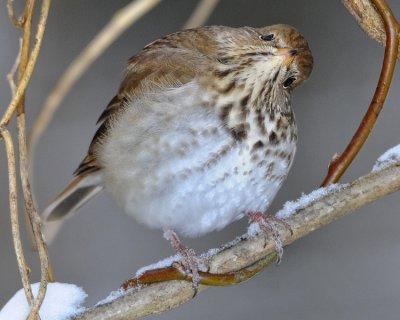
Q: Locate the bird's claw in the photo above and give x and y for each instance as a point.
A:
(189, 262)
(269, 227)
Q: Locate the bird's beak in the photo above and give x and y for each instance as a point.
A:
(288, 54)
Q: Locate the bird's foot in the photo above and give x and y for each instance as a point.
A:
(269, 227)
(189, 261)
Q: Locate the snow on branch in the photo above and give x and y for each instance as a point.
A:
(390, 157)
(62, 302)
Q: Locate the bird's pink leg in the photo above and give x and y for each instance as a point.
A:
(189, 260)
(268, 226)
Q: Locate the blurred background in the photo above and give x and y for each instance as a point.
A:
(347, 270)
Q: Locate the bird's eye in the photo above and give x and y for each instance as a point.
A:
(289, 81)
(222, 60)
(267, 37)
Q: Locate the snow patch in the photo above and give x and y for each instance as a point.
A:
(253, 229)
(61, 302)
(387, 159)
(167, 262)
(292, 207)
(214, 251)
(112, 296)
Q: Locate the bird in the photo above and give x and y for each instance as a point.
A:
(200, 133)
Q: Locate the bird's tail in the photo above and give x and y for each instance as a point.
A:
(77, 193)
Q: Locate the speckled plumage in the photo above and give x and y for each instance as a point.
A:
(201, 131)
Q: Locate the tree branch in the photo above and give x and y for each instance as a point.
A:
(251, 253)
(339, 164)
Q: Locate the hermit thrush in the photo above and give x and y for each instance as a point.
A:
(201, 131)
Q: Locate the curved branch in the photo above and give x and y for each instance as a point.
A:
(12, 185)
(10, 76)
(251, 253)
(340, 164)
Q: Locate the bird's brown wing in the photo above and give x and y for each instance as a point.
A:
(152, 69)
(169, 62)
(146, 72)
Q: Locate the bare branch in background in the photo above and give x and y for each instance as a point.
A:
(11, 74)
(121, 20)
(201, 13)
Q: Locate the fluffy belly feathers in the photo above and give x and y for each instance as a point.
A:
(187, 173)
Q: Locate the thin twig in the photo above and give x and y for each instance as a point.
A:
(35, 221)
(340, 164)
(17, 22)
(30, 66)
(124, 18)
(201, 13)
(251, 254)
(26, 44)
(24, 57)
(26, 63)
(31, 211)
(21, 59)
(11, 74)
(12, 176)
